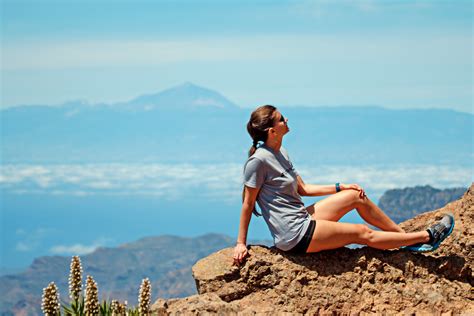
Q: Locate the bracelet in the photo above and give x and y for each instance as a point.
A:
(338, 188)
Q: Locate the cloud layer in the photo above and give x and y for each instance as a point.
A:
(213, 181)
(318, 49)
(216, 182)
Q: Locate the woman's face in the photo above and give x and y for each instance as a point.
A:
(281, 124)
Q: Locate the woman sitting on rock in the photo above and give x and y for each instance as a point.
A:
(271, 180)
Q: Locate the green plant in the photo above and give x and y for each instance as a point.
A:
(89, 305)
(105, 309)
(133, 312)
(75, 308)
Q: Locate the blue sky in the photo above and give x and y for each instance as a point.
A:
(398, 54)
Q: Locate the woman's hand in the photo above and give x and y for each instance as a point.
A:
(240, 252)
(353, 187)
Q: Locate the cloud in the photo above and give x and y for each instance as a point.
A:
(24, 247)
(20, 231)
(216, 182)
(30, 239)
(329, 8)
(378, 179)
(167, 181)
(100, 53)
(314, 48)
(78, 248)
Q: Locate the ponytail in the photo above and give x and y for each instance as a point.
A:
(260, 120)
(254, 147)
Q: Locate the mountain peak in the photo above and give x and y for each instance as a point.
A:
(186, 95)
(187, 85)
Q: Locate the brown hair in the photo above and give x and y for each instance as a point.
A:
(260, 121)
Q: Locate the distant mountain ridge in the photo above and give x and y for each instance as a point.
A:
(166, 260)
(192, 124)
(406, 203)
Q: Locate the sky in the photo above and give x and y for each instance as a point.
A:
(396, 54)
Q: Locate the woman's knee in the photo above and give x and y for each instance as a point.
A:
(353, 196)
(365, 234)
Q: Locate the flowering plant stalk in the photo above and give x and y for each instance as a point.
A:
(144, 297)
(76, 306)
(91, 306)
(50, 302)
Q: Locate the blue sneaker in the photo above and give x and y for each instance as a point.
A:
(420, 247)
(441, 230)
(438, 232)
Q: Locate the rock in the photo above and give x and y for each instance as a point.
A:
(342, 281)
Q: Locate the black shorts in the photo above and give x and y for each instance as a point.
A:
(303, 245)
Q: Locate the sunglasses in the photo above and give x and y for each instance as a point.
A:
(282, 119)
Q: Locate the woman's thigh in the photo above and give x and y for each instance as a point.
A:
(335, 206)
(331, 235)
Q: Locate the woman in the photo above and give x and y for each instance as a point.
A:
(271, 180)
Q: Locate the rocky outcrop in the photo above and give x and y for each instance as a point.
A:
(342, 281)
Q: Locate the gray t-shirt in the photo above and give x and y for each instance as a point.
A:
(278, 198)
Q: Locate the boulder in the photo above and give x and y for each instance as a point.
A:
(342, 281)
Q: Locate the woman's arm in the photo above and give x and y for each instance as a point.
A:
(240, 250)
(318, 190)
(314, 189)
(246, 214)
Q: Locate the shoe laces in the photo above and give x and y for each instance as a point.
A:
(437, 230)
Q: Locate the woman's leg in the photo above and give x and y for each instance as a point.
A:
(331, 235)
(337, 205)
